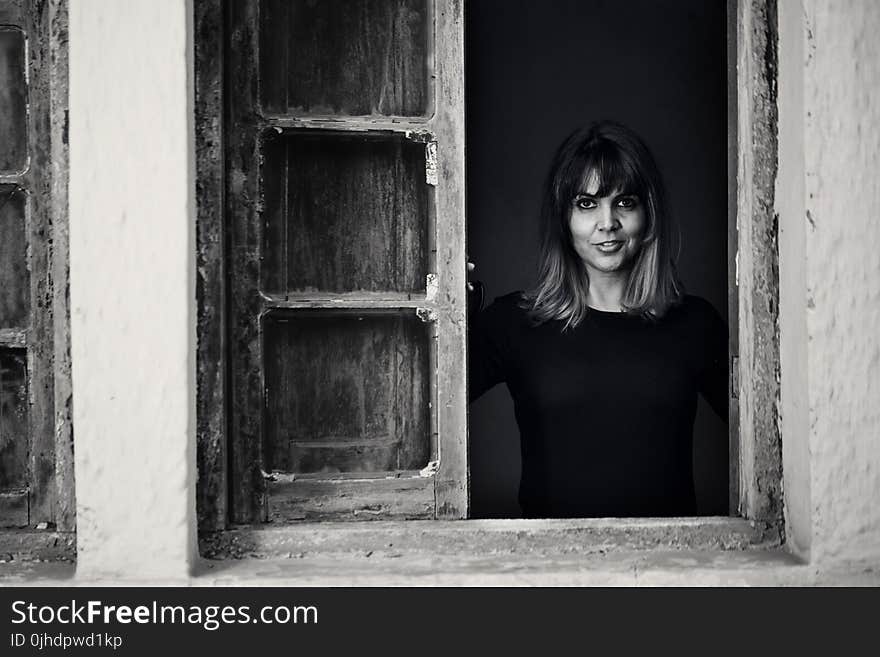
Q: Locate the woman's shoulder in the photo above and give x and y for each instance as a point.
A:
(510, 301)
(691, 303)
(512, 304)
(698, 312)
(507, 309)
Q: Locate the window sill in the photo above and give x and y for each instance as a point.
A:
(710, 551)
(499, 552)
(654, 552)
(33, 556)
(393, 538)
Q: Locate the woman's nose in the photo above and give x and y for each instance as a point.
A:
(607, 219)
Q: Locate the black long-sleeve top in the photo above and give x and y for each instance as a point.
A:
(606, 409)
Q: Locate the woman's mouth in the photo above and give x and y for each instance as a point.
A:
(609, 246)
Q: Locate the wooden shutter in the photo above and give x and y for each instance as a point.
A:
(346, 267)
(31, 235)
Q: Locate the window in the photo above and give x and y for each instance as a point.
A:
(302, 298)
(36, 452)
(531, 78)
(344, 249)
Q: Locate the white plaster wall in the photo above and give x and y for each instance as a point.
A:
(790, 185)
(841, 117)
(132, 291)
(131, 287)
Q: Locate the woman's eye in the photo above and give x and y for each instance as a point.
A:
(585, 203)
(627, 202)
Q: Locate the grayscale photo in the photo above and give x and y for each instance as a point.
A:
(352, 294)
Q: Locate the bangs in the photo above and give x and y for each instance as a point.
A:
(604, 159)
(602, 162)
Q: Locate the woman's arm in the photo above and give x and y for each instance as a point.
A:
(714, 379)
(486, 350)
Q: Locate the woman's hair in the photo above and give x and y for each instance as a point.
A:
(620, 162)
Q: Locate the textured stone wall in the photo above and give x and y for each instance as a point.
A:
(829, 204)
(791, 210)
(842, 213)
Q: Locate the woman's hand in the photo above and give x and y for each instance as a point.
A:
(475, 291)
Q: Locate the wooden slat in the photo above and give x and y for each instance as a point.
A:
(361, 499)
(65, 505)
(14, 274)
(355, 215)
(365, 300)
(43, 498)
(13, 338)
(760, 472)
(245, 231)
(13, 100)
(345, 392)
(364, 58)
(211, 358)
(452, 495)
(13, 509)
(408, 127)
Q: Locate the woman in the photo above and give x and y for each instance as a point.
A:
(605, 355)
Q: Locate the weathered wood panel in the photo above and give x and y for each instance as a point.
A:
(42, 226)
(43, 327)
(13, 100)
(14, 429)
(345, 213)
(355, 58)
(392, 498)
(760, 443)
(36, 546)
(245, 234)
(345, 392)
(14, 508)
(452, 489)
(264, 248)
(65, 505)
(14, 275)
(11, 11)
(212, 485)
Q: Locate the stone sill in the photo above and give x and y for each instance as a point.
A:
(617, 568)
(616, 552)
(392, 539)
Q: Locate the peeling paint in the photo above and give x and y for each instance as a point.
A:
(426, 314)
(431, 163)
(432, 285)
(429, 470)
(420, 136)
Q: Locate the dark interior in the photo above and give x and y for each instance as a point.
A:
(535, 71)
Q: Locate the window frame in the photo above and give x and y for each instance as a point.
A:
(756, 370)
(50, 505)
(755, 447)
(441, 305)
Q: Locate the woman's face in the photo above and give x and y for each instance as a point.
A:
(607, 230)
